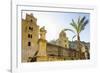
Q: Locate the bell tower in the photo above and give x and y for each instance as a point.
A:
(30, 36)
(63, 40)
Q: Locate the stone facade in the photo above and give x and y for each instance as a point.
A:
(30, 36)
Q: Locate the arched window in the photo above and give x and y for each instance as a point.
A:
(31, 20)
(31, 28)
(65, 45)
(29, 35)
(29, 43)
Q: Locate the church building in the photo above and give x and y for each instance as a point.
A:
(36, 48)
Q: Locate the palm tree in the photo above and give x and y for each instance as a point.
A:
(78, 26)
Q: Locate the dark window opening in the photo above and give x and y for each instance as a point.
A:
(31, 20)
(65, 45)
(29, 43)
(30, 28)
(29, 35)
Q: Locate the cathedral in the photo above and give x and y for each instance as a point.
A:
(36, 48)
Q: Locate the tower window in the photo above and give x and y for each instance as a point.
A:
(29, 43)
(31, 20)
(29, 35)
(30, 28)
(65, 45)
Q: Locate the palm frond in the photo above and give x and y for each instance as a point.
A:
(79, 20)
(73, 37)
(73, 24)
(84, 24)
(83, 19)
(69, 30)
(81, 24)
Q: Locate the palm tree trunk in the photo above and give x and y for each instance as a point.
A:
(78, 41)
(78, 45)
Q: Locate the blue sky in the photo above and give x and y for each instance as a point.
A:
(54, 22)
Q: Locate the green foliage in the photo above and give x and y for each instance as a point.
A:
(78, 26)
